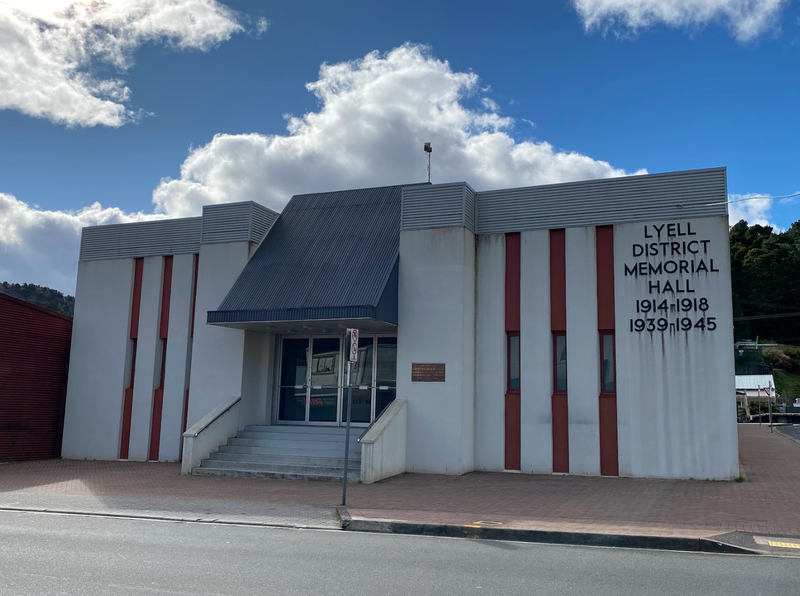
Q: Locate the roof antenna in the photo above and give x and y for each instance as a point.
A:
(427, 147)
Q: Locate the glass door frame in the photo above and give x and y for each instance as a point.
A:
(373, 387)
(307, 383)
(340, 400)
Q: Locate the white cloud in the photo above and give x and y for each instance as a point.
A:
(755, 211)
(41, 247)
(747, 19)
(48, 48)
(374, 116)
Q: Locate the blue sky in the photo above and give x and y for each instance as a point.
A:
(521, 93)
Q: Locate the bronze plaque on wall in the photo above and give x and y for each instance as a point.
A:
(427, 372)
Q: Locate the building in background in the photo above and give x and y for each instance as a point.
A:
(580, 328)
(34, 360)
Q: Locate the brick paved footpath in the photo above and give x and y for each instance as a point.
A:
(767, 503)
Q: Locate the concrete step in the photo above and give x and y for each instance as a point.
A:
(305, 437)
(304, 429)
(280, 444)
(292, 450)
(355, 451)
(273, 467)
(208, 471)
(304, 460)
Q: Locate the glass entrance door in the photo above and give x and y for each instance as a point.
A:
(324, 382)
(312, 379)
(374, 379)
(292, 400)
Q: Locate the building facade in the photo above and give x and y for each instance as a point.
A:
(34, 360)
(580, 328)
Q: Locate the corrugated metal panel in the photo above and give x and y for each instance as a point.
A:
(262, 220)
(34, 360)
(674, 195)
(326, 253)
(142, 239)
(469, 207)
(226, 222)
(433, 206)
(292, 314)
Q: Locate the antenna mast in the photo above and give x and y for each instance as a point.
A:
(428, 149)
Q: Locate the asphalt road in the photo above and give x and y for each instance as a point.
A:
(46, 554)
(791, 431)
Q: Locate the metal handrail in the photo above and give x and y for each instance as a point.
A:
(215, 418)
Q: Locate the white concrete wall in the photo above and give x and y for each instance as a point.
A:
(175, 377)
(257, 374)
(148, 358)
(383, 447)
(490, 354)
(211, 431)
(536, 360)
(436, 323)
(674, 388)
(217, 352)
(583, 352)
(100, 336)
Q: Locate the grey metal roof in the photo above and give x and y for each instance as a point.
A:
(754, 381)
(329, 255)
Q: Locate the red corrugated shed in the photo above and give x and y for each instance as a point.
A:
(34, 361)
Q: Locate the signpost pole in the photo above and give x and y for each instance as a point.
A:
(760, 414)
(769, 405)
(352, 356)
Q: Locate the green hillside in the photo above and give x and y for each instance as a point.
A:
(42, 296)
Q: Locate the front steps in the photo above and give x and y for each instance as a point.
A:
(292, 452)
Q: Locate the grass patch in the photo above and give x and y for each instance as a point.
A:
(787, 385)
(739, 479)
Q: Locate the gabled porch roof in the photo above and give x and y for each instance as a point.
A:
(330, 257)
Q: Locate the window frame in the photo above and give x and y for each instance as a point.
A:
(556, 390)
(602, 333)
(509, 335)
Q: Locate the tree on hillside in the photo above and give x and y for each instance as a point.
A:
(765, 278)
(41, 295)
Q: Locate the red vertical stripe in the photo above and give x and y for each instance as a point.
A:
(127, 401)
(166, 294)
(194, 293)
(185, 409)
(127, 411)
(136, 302)
(558, 280)
(558, 323)
(609, 447)
(605, 277)
(513, 431)
(158, 394)
(560, 433)
(512, 281)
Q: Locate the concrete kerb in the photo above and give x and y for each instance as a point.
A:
(675, 543)
(194, 520)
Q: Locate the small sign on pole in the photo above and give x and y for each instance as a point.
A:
(352, 338)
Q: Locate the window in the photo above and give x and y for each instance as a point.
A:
(607, 370)
(560, 361)
(513, 362)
